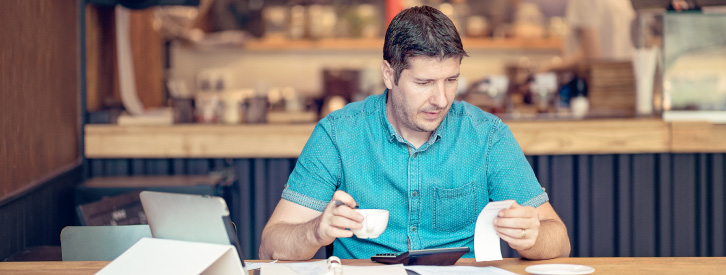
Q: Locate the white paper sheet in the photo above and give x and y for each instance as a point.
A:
(162, 256)
(456, 270)
(304, 268)
(280, 269)
(320, 267)
(378, 269)
(486, 240)
(256, 265)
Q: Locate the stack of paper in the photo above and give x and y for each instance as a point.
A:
(320, 267)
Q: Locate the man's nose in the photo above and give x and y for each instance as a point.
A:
(438, 95)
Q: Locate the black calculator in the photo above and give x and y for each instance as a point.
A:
(436, 256)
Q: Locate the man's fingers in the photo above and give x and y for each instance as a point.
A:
(516, 233)
(338, 217)
(516, 222)
(505, 232)
(334, 232)
(329, 234)
(518, 239)
(516, 243)
(517, 211)
(332, 227)
(342, 223)
(346, 212)
(345, 198)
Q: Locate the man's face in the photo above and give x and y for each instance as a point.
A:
(423, 95)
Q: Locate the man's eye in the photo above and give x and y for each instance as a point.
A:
(422, 83)
(452, 79)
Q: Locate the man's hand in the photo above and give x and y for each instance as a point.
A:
(295, 232)
(536, 233)
(680, 5)
(335, 219)
(519, 226)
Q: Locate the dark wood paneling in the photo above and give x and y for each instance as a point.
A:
(582, 246)
(718, 209)
(703, 201)
(116, 168)
(246, 215)
(603, 208)
(197, 167)
(642, 211)
(260, 186)
(95, 167)
(665, 206)
(11, 237)
(684, 205)
(178, 166)
(138, 167)
(623, 201)
(562, 193)
(39, 91)
(36, 218)
(157, 167)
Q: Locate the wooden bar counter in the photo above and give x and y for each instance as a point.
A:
(548, 137)
(622, 265)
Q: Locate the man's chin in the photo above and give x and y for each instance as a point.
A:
(429, 126)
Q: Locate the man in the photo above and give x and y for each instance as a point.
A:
(432, 162)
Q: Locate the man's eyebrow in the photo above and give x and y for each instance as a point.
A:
(431, 79)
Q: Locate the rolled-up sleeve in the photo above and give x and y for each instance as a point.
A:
(317, 172)
(509, 174)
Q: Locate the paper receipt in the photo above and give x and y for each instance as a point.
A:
(486, 240)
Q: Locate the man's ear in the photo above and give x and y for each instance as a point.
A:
(387, 72)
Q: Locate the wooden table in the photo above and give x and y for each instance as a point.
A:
(622, 265)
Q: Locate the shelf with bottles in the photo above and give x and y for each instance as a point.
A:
(327, 44)
(283, 44)
(324, 25)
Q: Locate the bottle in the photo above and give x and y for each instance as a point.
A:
(579, 104)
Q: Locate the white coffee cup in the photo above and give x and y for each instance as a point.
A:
(374, 223)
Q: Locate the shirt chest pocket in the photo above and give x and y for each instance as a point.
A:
(454, 209)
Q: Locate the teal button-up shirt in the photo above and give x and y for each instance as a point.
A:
(434, 194)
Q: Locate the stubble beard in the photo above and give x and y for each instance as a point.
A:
(409, 119)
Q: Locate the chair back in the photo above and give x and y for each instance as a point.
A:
(100, 243)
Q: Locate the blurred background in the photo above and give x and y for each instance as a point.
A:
(214, 62)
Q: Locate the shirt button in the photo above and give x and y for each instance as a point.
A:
(414, 193)
(414, 155)
(413, 229)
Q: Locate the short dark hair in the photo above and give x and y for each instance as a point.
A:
(420, 31)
